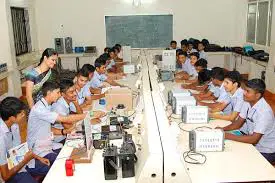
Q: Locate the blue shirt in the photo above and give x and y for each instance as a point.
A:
(111, 64)
(39, 138)
(225, 98)
(186, 66)
(237, 100)
(203, 55)
(63, 108)
(97, 80)
(8, 140)
(260, 119)
(214, 89)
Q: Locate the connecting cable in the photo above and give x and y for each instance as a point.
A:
(191, 157)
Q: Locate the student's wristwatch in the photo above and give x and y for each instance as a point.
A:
(62, 132)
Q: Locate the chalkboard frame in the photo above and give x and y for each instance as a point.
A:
(139, 34)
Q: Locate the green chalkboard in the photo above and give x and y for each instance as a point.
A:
(139, 31)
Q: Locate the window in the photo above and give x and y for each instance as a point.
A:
(259, 18)
(21, 30)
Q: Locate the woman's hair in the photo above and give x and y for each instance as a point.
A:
(47, 53)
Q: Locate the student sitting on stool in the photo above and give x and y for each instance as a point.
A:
(256, 120)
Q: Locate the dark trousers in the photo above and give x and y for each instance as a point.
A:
(42, 169)
(23, 177)
(270, 157)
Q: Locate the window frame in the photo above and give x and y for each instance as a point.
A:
(267, 45)
(20, 30)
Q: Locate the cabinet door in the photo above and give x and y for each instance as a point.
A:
(215, 60)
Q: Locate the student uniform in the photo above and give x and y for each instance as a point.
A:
(203, 54)
(225, 98)
(189, 68)
(97, 80)
(39, 139)
(260, 119)
(111, 64)
(81, 95)
(214, 89)
(237, 100)
(63, 108)
(7, 141)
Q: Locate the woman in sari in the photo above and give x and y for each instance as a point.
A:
(36, 77)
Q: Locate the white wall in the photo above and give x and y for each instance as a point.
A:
(221, 21)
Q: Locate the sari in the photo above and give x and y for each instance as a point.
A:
(38, 81)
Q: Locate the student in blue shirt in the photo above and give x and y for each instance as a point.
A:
(201, 50)
(256, 120)
(232, 84)
(90, 69)
(100, 75)
(173, 45)
(184, 45)
(111, 67)
(223, 101)
(40, 131)
(211, 91)
(12, 111)
(180, 59)
(83, 87)
(64, 104)
(182, 73)
(190, 48)
(200, 65)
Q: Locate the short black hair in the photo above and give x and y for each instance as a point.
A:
(11, 106)
(184, 42)
(204, 76)
(178, 51)
(234, 76)
(183, 53)
(88, 67)
(258, 85)
(116, 48)
(111, 50)
(173, 42)
(99, 62)
(201, 62)
(65, 84)
(118, 45)
(104, 56)
(49, 86)
(106, 49)
(196, 54)
(218, 73)
(201, 43)
(83, 72)
(190, 42)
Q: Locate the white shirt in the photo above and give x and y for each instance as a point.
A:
(225, 98)
(97, 80)
(260, 119)
(237, 100)
(203, 55)
(40, 121)
(7, 141)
